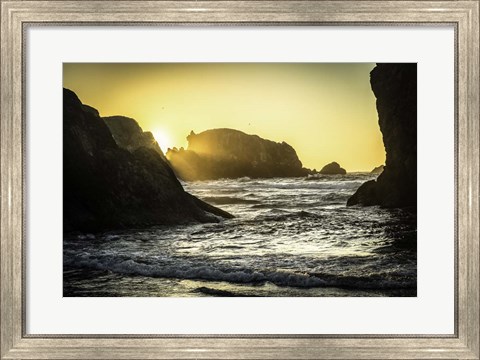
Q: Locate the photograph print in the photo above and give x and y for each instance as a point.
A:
(239, 179)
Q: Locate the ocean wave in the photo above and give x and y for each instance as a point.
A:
(208, 272)
(217, 292)
(324, 177)
(283, 215)
(243, 179)
(225, 200)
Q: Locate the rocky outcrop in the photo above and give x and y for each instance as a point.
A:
(129, 135)
(333, 168)
(108, 187)
(395, 87)
(228, 153)
(377, 170)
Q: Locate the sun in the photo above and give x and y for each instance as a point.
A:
(163, 139)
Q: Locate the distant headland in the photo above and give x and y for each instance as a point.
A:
(229, 153)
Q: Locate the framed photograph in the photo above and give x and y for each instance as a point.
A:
(228, 179)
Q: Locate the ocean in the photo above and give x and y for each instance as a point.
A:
(292, 237)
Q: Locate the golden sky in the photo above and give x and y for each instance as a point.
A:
(325, 111)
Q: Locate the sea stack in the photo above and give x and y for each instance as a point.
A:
(228, 153)
(107, 186)
(395, 87)
(333, 168)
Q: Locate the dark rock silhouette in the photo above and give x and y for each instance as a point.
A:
(228, 153)
(129, 135)
(395, 87)
(366, 194)
(108, 187)
(333, 169)
(377, 170)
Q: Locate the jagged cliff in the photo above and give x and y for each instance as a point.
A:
(228, 153)
(395, 87)
(106, 186)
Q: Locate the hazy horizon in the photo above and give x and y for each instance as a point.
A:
(326, 112)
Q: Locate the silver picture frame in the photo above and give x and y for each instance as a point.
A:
(16, 16)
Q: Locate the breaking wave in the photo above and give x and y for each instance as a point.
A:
(203, 271)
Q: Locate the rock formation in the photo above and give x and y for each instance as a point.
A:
(108, 187)
(228, 153)
(333, 169)
(129, 135)
(395, 87)
(377, 170)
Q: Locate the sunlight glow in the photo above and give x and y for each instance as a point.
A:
(163, 139)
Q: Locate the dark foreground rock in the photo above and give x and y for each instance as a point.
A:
(108, 187)
(228, 153)
(395, 87)
(333, 169)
